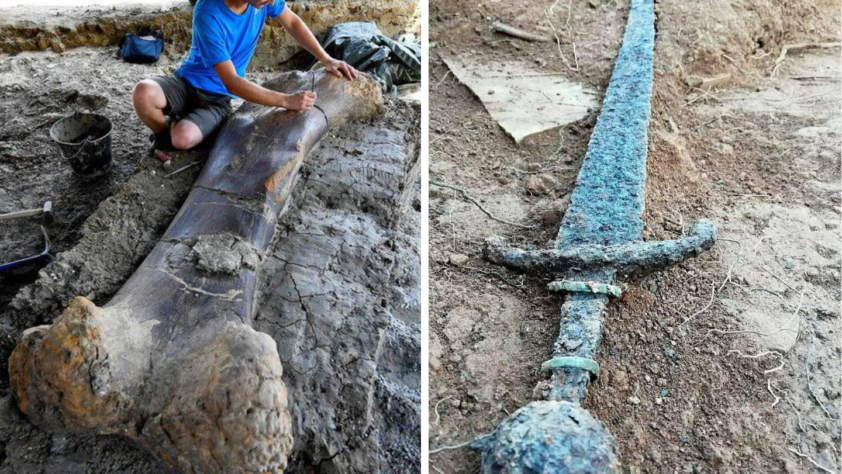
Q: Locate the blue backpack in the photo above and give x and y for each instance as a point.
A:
(144, 47)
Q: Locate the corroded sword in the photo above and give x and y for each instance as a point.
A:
(600, 238)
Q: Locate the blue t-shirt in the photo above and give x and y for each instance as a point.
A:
(219, 34)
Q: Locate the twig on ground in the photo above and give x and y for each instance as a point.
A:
(712, 293)
(501, 27)
(440, 138)
(570, 33)
(182, 169)
(710, 122)
(436, 409)
(781, 329)
(536, 74)
(729, 58)
(519, 172)
(473, 201)
(802, 455)
(814, 78)
(762, 354)
(771, 292)
(797, 413)
(799, 47)
(495, 274)
(809, 382)
(820, 94)
(769, 387)
(548, 13)
(757, 259)
(437, 469)
(452, 227)
(460, 445)
(557, 150)
(442, 79)
(731, 268)
(698, 97)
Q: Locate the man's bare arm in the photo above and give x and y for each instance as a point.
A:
(252, 92)
(301, 33)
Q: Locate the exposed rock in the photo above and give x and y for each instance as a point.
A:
(458, 259)
(688, 418)
(536, 186)
(552, 216)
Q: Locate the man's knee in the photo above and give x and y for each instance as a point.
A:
(185, 136)
(148, 93)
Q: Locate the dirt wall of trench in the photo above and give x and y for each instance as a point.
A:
(27, 29)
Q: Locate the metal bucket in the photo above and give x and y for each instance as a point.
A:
(85, 142)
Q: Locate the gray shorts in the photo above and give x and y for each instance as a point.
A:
(185, 102)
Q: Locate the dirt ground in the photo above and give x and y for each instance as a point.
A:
(759, 155)
(35, 91)
(356, 218)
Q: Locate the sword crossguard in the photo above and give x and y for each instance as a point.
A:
(633, 258)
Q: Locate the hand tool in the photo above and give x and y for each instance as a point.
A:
(47, 212)
(42, 258)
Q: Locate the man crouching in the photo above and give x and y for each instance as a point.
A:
(184, 109)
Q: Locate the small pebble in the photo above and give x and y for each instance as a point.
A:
(634, 400)
(458, 259)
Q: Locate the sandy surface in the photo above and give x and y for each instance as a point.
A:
(759, 155)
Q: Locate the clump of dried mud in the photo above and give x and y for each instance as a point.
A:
(674, 399)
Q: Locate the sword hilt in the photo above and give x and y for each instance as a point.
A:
(588, 271)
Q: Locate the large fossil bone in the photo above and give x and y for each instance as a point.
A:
(172, 361)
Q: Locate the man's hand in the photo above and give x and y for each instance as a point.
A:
(302, 34)
(340, 68)
(303, 100)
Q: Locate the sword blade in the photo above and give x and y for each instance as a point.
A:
(607, 203)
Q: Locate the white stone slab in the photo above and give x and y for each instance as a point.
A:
(523, 101)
